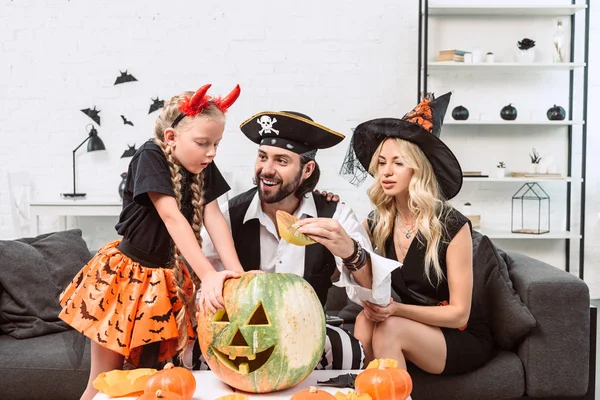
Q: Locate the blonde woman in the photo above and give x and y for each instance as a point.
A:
(135, 299)
(415, 174)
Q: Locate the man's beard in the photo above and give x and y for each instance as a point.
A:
(281, 193)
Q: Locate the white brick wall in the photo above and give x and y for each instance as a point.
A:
(339, 62)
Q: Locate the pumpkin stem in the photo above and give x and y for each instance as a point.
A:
(382, 364)
(312, 389)
(159, 394)
(169, 366)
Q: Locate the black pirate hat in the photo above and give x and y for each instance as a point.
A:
(422, 127)
(290, 130)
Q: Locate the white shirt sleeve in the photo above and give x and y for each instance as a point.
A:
(208, 247)
(382, 267)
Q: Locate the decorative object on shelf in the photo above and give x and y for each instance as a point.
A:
(95, 144)
(508, 113)
(469, 212)
(127, 153)
(489, 57)
(126, 121)
(556, 113)
(460, 113)
(124, 77)
(156, 105)
(530, 210)
(468, 58)
(535, 161)
(558, 51)
(93, 114)
(526, 52)
(501, 169)
(477, 56)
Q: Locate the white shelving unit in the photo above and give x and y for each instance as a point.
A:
(448, 76)
(474, 122)
(515, 11)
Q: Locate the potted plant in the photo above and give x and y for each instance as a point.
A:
(535, 161)
(525, 53)
(501, 170)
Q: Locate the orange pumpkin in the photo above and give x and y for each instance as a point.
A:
(312, 393)
(160, 395)
(384, 383)
(172, 379)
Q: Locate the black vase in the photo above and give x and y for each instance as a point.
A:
(122, 184)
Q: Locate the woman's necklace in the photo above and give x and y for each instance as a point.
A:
(408, 232)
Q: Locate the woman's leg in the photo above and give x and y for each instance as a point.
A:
(363, 331)
(103, 360)
(404, 339)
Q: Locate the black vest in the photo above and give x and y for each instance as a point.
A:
(319, 263)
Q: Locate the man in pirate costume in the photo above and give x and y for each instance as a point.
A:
(286, 174)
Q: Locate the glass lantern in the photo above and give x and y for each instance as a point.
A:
(530, 210)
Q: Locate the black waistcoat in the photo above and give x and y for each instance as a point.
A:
(319, 263)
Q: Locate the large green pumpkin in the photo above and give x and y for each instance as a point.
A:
(270, 336)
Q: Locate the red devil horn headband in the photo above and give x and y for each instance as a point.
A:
(192, 106)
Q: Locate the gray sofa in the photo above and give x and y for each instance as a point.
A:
(551, 360)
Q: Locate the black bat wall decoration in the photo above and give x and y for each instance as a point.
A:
(124, 77)
(92, 113)
(129, 153)
(126, 121)
(156, 105)
(162, 318)
(85, 314)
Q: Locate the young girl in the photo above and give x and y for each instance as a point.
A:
(137, 293)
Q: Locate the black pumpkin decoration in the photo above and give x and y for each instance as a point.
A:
(508, 113)
(556, 113)
(460, 113)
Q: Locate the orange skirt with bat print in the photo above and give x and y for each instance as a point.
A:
(123, 305)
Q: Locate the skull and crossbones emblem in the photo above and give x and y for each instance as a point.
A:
(267, 125)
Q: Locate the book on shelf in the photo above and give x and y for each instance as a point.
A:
(452, 55)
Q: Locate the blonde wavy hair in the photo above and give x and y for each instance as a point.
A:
(169, 112)
(425, 202)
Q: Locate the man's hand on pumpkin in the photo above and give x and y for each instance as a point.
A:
(329, 196)
(211, 293)
(329, 233)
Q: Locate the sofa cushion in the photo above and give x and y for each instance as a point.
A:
(509, 318)
(501, 378)
(33, 273)
(61, 361)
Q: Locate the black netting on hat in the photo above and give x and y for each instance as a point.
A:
(352, 170)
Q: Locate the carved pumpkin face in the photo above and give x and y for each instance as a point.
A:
(270, 336)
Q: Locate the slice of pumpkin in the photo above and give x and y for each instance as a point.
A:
(351, 395)
(121, 383)
(233, 396)
(288, 230)
(386, 362)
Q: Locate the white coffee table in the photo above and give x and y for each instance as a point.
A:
(209, 387)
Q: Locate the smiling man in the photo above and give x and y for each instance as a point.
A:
(285, 175)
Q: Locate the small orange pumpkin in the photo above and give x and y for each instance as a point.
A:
(160, 395)
(172, 379)
(383, 383)
(312, 393)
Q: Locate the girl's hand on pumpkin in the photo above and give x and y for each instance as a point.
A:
(378, 313)
(211, 293)
(329, 233)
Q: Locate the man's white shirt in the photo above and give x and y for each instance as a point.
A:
(280, 256)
